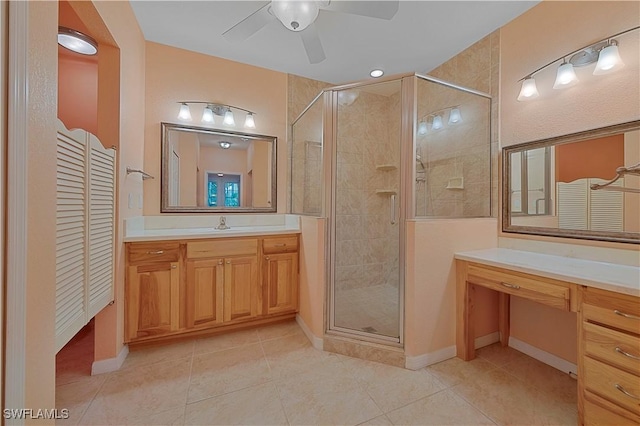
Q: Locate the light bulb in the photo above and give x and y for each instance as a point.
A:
(422, 128)
(249, 121)
(566, 76)
(437, 123)
(185, 113)
(455, 116)
(528, 90)
(295, 15)
(207, 115)
(225, 144)
(609, 60)
(228, 118)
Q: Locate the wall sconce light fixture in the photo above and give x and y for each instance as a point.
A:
(212, 109)
(435, 120)
(604, 52)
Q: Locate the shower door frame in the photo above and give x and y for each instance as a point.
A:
(407, 146)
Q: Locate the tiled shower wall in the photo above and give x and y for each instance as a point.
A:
(366, 241)
(477, 67)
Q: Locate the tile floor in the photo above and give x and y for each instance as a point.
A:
(273, 376)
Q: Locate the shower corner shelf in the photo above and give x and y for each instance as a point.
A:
(386, 191)
(386, 167)
(455, 183)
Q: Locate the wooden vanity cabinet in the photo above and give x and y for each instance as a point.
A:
(152, 291)
(280, 275)
(609, 367)
(175, 288)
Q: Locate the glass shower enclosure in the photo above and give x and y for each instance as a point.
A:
(370, 156)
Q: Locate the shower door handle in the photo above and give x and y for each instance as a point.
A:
(392, 204)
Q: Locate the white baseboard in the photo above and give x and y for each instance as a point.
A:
(542, 356)
(487, 340)
(111, 364)
(316, 341)
(421, 361)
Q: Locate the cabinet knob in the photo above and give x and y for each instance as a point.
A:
(266, 257)
(228, 262)
(174, 266)
(219, 262)
(156, 252)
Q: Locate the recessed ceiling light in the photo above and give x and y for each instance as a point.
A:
(225, 144)
(376, 73)
(77, 41)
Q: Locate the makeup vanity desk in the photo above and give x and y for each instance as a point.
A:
(606, 298)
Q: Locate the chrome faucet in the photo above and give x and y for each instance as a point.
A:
(223, 223)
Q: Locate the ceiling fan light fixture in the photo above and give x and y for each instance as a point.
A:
(295, 15)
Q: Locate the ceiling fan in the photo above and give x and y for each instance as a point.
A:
(299, 16)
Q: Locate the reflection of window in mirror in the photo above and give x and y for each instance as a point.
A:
(530, 182)
(223, 189)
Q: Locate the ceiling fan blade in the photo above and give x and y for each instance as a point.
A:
(249, 25)
(374, 9)
(312, 44)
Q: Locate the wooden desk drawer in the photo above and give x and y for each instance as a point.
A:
(597, 415)
(280, 245)
(617, 386)
(222, 248)
(542, 290)
(154, 252)
(613, 347)
(616, 310)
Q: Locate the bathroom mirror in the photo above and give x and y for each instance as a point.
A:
(583, 185)
(217, 171)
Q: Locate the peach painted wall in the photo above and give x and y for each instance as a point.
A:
(77, 79)
(430, 281)
(593, 158)
(116, 19)
(312, 274)
(174, 74)
(543, 33)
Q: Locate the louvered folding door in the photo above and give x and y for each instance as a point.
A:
(85, 230)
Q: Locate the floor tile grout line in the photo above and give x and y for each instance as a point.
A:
(414, 401)
(284, 410)
(495, 421)
(106, 379)
(186, 399)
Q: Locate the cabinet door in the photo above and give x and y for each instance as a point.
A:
(241, 296)
(153, 292)
(280, 281)
(204, 292)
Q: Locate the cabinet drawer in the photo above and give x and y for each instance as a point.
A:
(280, 245)
(596, 415)
(222, 248)
(154, 252)
(613, 309)
(613, 347)
(542, 290)
(611, 383)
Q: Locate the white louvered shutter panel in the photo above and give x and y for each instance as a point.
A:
(70, 235)
(606, 208)
(572, 204)
(101, 223)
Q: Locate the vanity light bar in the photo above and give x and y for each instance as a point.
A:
(604, 51)
(212, 109)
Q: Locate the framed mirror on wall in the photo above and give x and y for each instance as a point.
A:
(583, 185)
(217, 171)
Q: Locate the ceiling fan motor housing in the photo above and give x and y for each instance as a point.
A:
(295, 15)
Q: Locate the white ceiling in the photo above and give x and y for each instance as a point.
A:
(421, 36)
